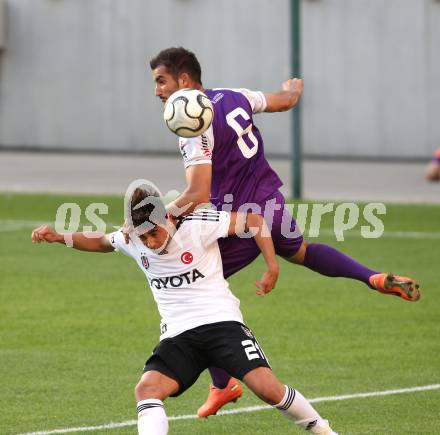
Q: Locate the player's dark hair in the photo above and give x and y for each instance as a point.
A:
(178, 60)
(146, 207)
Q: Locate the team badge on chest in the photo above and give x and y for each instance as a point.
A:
(145, 262)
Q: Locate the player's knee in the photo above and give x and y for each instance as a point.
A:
(145, 389)
(300, 255)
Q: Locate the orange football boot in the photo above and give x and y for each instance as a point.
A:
(396, 285)
(219, 397)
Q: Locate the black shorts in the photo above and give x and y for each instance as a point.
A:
(228, 345)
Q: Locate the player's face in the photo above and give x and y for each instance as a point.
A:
(166, 84)
(155, 239)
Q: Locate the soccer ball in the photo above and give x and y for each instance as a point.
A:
(188, 112)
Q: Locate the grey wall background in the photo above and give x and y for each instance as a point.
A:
(74, 72)
(373, 74)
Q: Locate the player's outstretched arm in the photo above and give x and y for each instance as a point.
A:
(82, 241)
(286, 98)
(243, 223)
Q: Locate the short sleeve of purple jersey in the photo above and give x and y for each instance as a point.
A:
(256, 99)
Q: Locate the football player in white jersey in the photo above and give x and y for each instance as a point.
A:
(202, 324)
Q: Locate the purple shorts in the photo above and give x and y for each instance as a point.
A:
(238, 252)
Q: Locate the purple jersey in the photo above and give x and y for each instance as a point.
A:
(235, 147)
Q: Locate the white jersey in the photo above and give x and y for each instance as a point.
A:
(187, 278)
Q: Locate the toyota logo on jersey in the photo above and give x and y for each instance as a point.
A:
(176, 281)
(187, 257)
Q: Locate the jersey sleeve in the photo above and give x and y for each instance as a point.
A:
(117, 240)
(256, 99)
(197, 150)
(210, 225)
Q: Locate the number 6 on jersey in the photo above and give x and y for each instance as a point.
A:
(233, 123)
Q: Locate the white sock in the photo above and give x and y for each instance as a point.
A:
(152, 419)
(297, 408)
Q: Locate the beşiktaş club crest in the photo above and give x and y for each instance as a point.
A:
(145, 262)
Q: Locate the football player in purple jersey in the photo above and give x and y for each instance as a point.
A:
(227, 167)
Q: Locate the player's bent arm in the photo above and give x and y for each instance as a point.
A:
(197, 192)
(82, 241)
(286, 98)
(241, 223)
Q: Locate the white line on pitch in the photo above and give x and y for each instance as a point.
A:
(388, 234)
(243, 410)
(7, 226)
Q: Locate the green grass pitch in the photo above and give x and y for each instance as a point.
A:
(76, 328)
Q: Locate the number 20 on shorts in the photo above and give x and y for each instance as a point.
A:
(253, 350)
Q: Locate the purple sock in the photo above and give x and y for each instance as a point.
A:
(330, 262)
(220, 378)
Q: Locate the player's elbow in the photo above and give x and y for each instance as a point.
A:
(254, 220)
(255, 224)
(281, 101)
(103, 245)
(203, 198)
(290, 101)
(198, 197)
(287, 100)
(283, 106)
